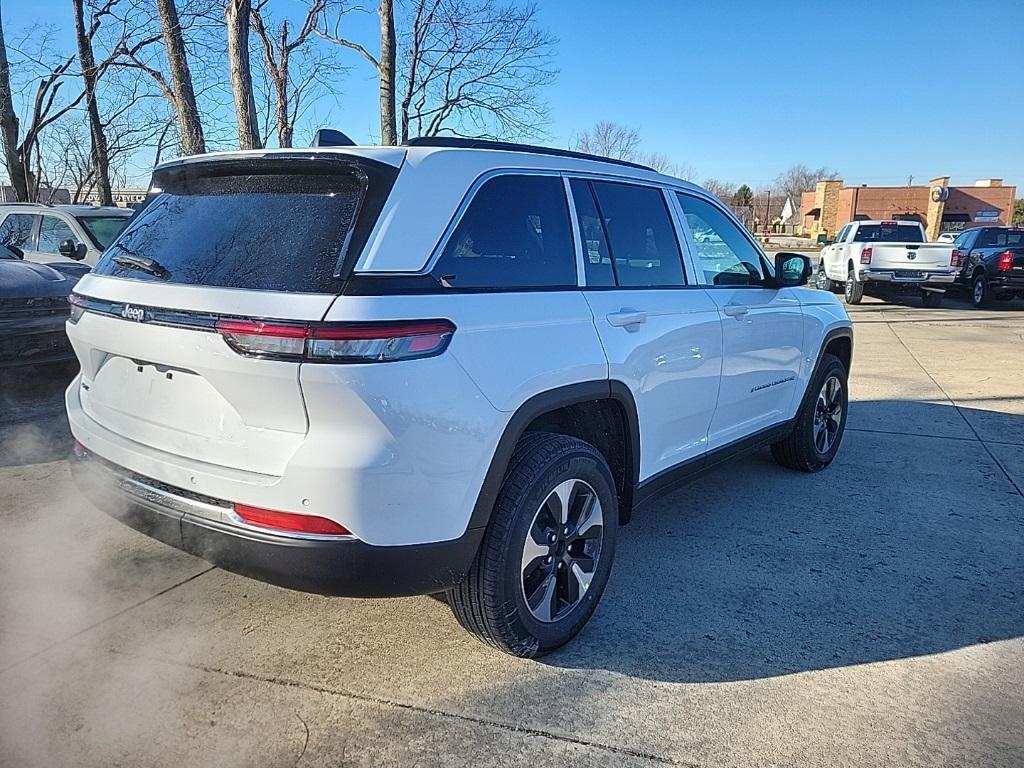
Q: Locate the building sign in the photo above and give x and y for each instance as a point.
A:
(986, 215)
(940, 194)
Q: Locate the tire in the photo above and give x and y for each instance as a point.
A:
(491, 603)
(821, 280)
(803, 449)
(854, 291)
(981, 294)
(932, 299)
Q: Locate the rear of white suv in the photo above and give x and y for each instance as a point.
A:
(374, 372)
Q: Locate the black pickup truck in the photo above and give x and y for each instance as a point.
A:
(992, 263)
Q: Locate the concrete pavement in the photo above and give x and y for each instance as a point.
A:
(872, 614)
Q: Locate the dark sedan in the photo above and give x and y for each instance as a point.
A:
(33, 309)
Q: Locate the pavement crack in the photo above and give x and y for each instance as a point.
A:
(385, 702)
(305, 742)
(952, 402)
(104, 620)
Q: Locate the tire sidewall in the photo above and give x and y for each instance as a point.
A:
(580, 464)
(975, 300)
(832, 367)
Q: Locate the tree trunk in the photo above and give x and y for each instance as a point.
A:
(192, 140)
(387, 73)
(238, 17)
(9, 126)
(284, 127)
(100, 157)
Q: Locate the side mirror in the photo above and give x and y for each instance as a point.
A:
(72, 250)
(792, 269)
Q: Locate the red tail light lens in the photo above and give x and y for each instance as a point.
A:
(865, 256)
(956, 259)
(1005, 261)
(338, 342)
(289, 522)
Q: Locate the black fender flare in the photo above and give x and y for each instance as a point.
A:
(546, 402)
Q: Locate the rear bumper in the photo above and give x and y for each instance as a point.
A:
(1004, 283)
(930, 278)
(342, 566)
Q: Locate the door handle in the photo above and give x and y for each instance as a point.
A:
(736, 310)
(626, 317)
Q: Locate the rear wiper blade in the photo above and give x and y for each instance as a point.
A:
(142, 264)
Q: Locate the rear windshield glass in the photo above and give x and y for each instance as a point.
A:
(273, 232)
(1000, 238)
(103, 229)
(888, 233)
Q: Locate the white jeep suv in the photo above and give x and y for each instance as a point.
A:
(453, 366)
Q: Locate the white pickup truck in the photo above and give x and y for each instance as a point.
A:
(877, 257)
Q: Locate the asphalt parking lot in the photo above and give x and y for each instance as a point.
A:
(872, 614)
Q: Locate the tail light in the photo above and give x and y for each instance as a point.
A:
(956, 259)
(1005, 261)
(338, 342)
(289, 522)
(77, 308)
(865, 256)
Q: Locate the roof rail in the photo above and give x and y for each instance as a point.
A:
(506, 146)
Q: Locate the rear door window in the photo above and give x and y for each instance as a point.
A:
(17, 229)
(514, 234)
(256, 230)
(641, 239)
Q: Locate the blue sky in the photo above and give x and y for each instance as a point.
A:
(741, 90)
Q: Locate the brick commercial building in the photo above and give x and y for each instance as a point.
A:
(938, 206)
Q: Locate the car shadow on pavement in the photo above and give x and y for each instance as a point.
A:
(905, 546)
(33, 424)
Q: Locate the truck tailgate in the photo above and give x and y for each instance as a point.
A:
(923, 256)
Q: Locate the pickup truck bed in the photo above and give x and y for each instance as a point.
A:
(877, 256)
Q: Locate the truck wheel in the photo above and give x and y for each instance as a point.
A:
(932, 299)
(821, 280)
(981, 294)
(544, 561)
(820, 424)
(854, 289)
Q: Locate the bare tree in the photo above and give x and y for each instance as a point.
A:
(189, 125)
(237, 16)
(609, 139)
(43, 72)
(290, 88)
(475, 68)
(723, 190)
(800, 179)
(90, 77)
(9, 125)
(661, 163)
(329, 28)
(132, 50)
